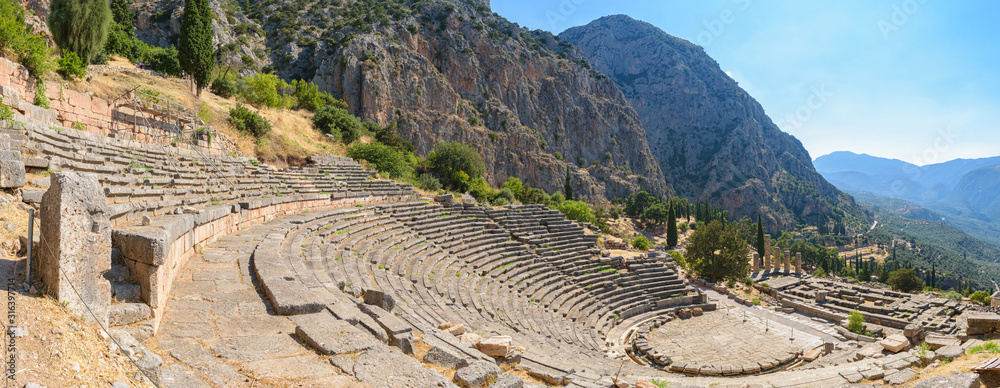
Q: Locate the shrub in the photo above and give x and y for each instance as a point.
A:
(988, 346)
(577, 211)
(451, 157)
(17, 42)
(856, 322)
(40, 98)
(429, 182)
(507, 194)
(384, 159)
(641, 243)
(223, 87)
(309, 97)
(338, 122)
(481, 190)
(390, 137)
(556, 199)
(370, 127)
(981, 297)
(5, 113)
(693, 225)
(71, 66)
(164, 60)
(515, 186)
(534, 195)
(731, 283)
(953, 296)
(682, 227)
(249, 122)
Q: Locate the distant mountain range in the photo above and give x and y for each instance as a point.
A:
(964, 192)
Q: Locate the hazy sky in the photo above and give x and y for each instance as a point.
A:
(916, 80)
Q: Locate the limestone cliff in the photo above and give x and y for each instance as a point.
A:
(450, 70)
(711, 138)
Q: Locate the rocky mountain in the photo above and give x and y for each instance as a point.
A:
(976, 193)
(711, 138)
(454, 70)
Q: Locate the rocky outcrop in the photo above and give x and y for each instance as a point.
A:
(711, 138)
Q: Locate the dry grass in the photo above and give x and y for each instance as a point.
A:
(60, 350)
(13, 222)
(289, 143)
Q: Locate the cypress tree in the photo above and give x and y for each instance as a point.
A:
(195, 52)
(760, 235)
(80, 26)
(671, 226)
(568, 187)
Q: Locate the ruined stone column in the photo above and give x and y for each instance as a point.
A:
(788, 261)
(76, 244)
(767, 252)
(756, 262)
(798, 262)
(776, 259)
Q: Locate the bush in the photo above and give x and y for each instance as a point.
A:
(429, 182)
(981, 297)
(223, 87)
(641, 243)
(534, 195)
(71, 66)
(507, 194)
(384, 159)
(557, 199)
(682, 227)
(449, 158)
(515, 186)
(309, 97)
(338, 122)
(953, 296)
(164, 60)
(856, 322)
(481, 190)
(262, 90)
(577, 211)
(249, 122)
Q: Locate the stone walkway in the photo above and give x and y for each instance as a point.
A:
(722, 339)
(220, 332)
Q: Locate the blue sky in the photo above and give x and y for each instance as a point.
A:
(916, 80)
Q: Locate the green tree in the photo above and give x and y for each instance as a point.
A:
(448, 158)
(717, 252)
(656, 214)
(760, 236)
(80, 26)
(196, 55)
(390, 137)
(568, 187)
(641, 243)
(905, 280)
(671, 227)
(856, 322)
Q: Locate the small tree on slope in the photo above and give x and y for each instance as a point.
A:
(80, 26)
(195, 51)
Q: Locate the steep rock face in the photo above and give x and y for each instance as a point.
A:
(531, 106)
(711, 138)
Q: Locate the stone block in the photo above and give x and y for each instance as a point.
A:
(76, 229)
(895, 343)
(4, 138)
(900, 377)
(812, 354)
(912, 330)
(12, 173)
(151, 366)
(32, 196)
(445, 357)
(939, 341)
(696, 312)
(479, 374)
(380, 299)
(445, 198)
(497, 346)
(329, 335)
(456, 330)
(962, 380)
(124, 293)
(508, 381)
(128, 313)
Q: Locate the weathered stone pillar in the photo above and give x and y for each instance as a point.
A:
(798, 262)
(11, 165)
(756, 262)
(776, 259)
(788, 261)
(76, 244)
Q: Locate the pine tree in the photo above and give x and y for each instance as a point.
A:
(195, 52)
(933, 280)
(80, 26)
(760, 235)
(671, 226)
(568, 188)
